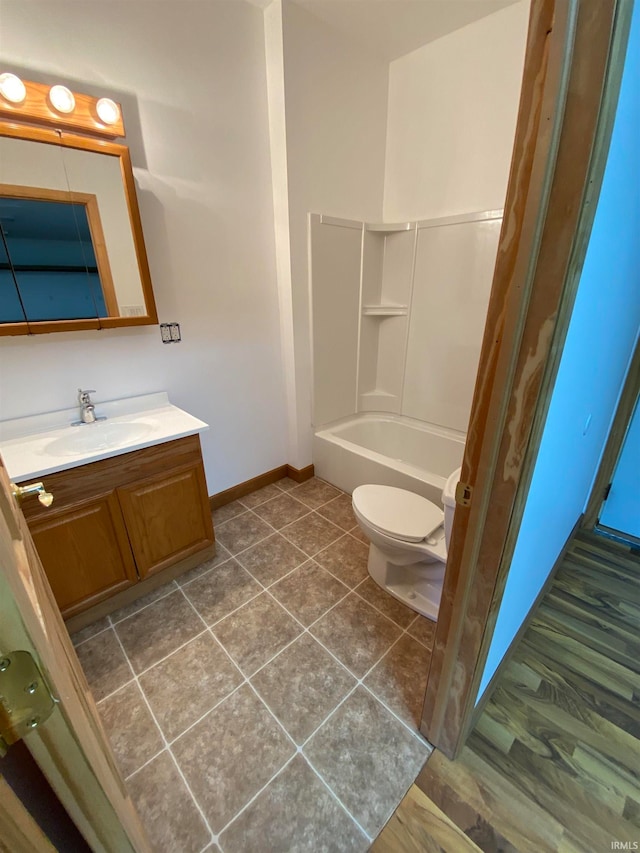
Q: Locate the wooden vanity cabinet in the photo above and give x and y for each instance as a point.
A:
(115, 522)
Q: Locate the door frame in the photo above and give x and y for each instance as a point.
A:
(70, 747)
(573, 67)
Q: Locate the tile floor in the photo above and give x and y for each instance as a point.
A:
(267, 700)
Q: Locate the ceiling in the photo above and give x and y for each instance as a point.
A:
(392, 28)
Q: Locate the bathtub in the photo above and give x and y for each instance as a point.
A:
(390, 450)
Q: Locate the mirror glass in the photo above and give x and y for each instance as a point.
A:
(49, 253)
(71, 244)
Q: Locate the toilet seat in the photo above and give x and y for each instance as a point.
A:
(397, 513)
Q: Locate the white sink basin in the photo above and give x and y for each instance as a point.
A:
(89, 438)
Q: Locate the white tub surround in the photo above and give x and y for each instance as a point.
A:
(398, 313)
(46, 443)
(390, 450)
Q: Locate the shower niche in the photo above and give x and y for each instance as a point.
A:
(397, 315)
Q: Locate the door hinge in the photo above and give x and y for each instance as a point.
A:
(464, 493)
(607, 489)
(25, 699)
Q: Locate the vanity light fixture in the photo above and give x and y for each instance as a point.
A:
(108, 111)
(58, 107)
(62, 99)
(12, 88)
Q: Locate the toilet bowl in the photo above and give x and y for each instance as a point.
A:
(409, 538)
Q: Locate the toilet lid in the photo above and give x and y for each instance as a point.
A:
(397, 512)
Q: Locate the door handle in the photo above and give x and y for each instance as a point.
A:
(20, 492)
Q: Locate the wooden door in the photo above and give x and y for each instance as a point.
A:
(167, 517)
(70, 747)
(86, 551)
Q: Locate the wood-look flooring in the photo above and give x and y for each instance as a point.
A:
(553, 763)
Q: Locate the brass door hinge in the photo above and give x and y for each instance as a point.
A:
(25, 699)
(464, 493)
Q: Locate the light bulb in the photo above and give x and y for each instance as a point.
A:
(12, 88)
(62, 99)
(108, 111)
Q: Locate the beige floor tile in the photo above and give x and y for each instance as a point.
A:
(302, 686)
(272, 558)
(358, 534)
(346, 559)
(90, 630)
(309, 592)
(386, 603)
(158, 630)
(184, 686)
(286, 484)
(295, 812)
(356, 634)
(311, 533)
(339, 512)
(104, 664)
(256, 632)
(143, 601)
(315, 493)
(282, 510)
(216, 593)
(367, 757)
(230, 510)
(261, 495)
(400, 679)
(424, 630)
(167, 809)
(242, 532)
(221, 556)
(133, 734)
(230, 754)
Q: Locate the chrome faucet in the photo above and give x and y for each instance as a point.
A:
(87, 409)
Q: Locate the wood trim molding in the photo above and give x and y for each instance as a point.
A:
(621, 421)
(300, 475)
(566, 65)
(259, 482)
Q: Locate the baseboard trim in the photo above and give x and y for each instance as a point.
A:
(300, 475)
(477, 711)
(259, 482)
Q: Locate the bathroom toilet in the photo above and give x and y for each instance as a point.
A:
(409, 538)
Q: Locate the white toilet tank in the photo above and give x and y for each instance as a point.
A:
(449, 502)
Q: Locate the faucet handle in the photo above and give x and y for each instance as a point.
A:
(84, 396)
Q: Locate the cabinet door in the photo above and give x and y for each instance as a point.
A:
(85, 552)
(167, 517)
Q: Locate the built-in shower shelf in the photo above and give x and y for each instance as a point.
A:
(385, 310)
(379, 400)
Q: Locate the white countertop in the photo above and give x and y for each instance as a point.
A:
(43, 444)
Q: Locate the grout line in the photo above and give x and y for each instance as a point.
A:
(257, 794)
(337, 798)
(148, 761)
(192, 725)
(144, 606)
(117, 690)
(97, 634)
(177, 649)
(166, 743)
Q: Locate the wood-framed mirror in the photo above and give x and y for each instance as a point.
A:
(72, 253)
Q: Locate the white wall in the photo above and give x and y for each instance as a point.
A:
(192, 80)
(336, 111)
(600, 341)
(452, 116)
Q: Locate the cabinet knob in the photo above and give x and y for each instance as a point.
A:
(20, 492)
